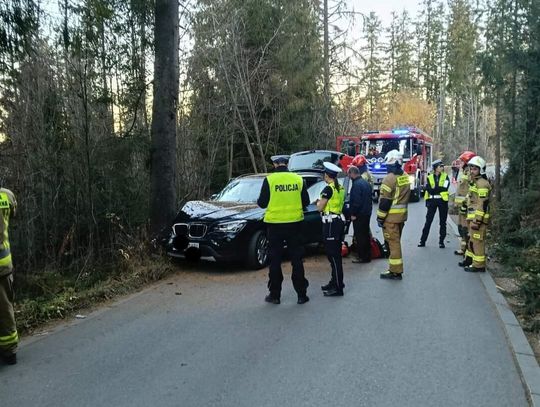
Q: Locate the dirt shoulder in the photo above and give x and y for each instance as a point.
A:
(508, 285)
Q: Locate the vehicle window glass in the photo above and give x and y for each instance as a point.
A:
(379, 148)
(311, 161)
(244, 190)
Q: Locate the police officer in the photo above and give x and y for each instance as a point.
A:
(392, 212)
(436, 197)
(284, 195)
(8, 330)
(330, 205)
(477, 216)
(460, 201)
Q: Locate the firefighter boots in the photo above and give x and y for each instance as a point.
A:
(10, 358)
(471, 269)
(391, 276)
(466, 262)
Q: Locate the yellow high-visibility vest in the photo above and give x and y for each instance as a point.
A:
(285, 205)
(336, 201)
(442, 181)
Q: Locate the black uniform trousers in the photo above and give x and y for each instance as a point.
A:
(333, 236)
(432, 206)
(362, 236)
(278, 234)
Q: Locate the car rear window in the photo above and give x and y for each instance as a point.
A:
(311, 161)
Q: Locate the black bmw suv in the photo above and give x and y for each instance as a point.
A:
(229, 226)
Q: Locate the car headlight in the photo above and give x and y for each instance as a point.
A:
(230, 227)
(412, 179)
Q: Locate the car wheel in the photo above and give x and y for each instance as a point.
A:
(257, 256)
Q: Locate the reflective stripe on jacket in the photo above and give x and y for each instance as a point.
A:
(396, 188)
(478, 200)
(7, 205)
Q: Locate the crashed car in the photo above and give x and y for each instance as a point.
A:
(230, 227)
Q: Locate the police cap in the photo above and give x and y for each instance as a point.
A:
(280, 159)
(437, 163)
(331, 170)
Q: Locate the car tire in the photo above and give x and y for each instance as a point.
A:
(257, 255)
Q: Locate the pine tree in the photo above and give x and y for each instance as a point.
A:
(373, 70)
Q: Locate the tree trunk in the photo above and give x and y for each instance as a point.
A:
(163, 150)
(498, 146)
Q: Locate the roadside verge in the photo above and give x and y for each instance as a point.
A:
(523, 353)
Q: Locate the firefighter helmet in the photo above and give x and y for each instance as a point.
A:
(359, 161)
(466, 156)
(393, 157)
(479, 162)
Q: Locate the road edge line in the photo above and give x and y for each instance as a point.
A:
(524, 357)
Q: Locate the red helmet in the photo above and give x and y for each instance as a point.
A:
(359, 160)
(466, 156)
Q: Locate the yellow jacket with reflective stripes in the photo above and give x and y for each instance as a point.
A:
(396, 188)
(463, 187)
(478, 200)
(7, 208)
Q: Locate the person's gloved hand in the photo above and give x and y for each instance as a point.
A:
(380, 222)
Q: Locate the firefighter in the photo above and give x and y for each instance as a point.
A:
(9, 337)
(284, 195)
(392, 212)
(361, 163)
(436, 197)
(460, 201)
(477, 216)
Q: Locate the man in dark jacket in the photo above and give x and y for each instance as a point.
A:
(360, 206)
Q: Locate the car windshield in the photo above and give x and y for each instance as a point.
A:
(379, 148)
(311, 161)
(244, 190)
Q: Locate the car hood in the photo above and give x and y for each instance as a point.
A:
(214, 211)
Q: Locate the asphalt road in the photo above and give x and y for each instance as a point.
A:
(205, 337)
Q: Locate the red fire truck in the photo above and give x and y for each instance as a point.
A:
(413, 143)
